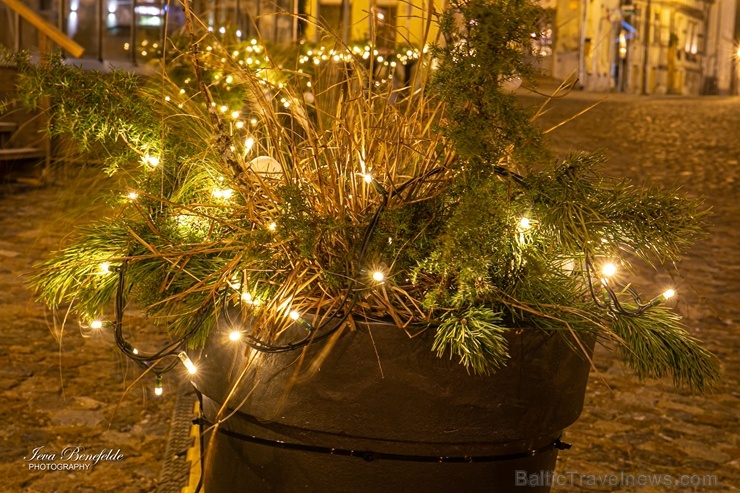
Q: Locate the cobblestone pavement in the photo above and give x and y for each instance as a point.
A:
(59, 393)
(629, 429)
(626, 427)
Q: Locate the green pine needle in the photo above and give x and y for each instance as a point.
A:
(475, 337)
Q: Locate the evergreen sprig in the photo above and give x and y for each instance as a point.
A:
(475, 336)
(656, 344)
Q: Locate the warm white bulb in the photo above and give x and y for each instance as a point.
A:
(248, 144)
(295, 315)
(234, 114)
(235, 335)
(669, 293)
(133, 195)
(135, 351)
(378, 276)
(96, 324)
(152, 161)
(246, 297)
(524, 224)
(240, 124)
(272, 226)
(224, 108)
(104, 268)
(609, 269)
(368, 178)
(187, 362)
(158, 390)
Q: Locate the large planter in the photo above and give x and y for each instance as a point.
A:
(384, 414)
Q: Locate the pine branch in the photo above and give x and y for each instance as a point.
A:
(656, 344)
(475, 337)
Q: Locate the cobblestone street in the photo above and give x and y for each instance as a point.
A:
(650, 429)
(61, 394)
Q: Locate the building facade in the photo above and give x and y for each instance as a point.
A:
(646, 46)
(633, 46)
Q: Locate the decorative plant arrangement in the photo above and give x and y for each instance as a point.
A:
(309, 205)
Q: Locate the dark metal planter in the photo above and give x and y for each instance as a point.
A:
(384, 414)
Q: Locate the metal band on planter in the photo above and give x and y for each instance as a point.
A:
(369, 456)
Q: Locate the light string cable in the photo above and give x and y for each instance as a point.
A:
(149, 360)
(612, 303)
(313, 335)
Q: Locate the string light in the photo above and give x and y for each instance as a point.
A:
(225, 193)
(158, 390)
(368, 178)
(668, 294)
(235, 335)
(152, 161)
(132, 195)
(272, 226)
(378, 276)
(104, 268)
(248, 144)
(524, 224)
(609, 269)
(96, 324)
(294, 315)
(187, 362)
(240, 124)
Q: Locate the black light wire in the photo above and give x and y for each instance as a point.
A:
(148, 361)
(312, 337)
(615, 306)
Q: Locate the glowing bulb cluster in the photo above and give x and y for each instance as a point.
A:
(223, 193)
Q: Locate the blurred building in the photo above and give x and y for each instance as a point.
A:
(646, 46)
(633, 46)
(116, 30)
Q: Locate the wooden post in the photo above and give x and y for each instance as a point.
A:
(44, 49)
